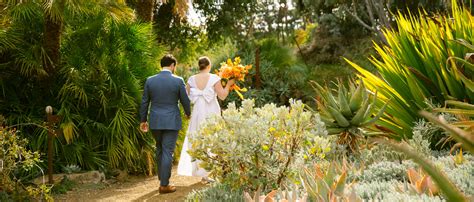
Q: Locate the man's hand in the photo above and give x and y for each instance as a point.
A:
(144, 127)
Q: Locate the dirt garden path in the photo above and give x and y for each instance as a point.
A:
(135, 188)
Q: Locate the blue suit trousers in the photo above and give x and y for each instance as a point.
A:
(165, 144)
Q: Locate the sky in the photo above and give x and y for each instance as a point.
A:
(196, 19)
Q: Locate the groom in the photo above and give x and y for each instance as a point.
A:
(163, 91)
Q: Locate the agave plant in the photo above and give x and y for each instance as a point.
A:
(71, 168)
(349, 113)
(421, 183)
(327, 184)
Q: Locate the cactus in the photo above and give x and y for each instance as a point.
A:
(349, 113)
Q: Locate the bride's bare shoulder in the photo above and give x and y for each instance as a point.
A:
(215, 76)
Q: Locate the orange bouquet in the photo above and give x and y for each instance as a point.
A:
(234, 70)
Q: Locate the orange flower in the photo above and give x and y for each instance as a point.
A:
(234, 70)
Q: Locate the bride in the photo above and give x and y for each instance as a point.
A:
(203, 90)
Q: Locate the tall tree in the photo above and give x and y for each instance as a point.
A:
(144, 10)
(100, 57)
(53, 24)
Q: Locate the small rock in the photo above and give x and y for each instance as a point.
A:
(93, 177)
(122, 176)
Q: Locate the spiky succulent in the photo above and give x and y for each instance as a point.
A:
(328, 184)
(71, 168)
(348, 113)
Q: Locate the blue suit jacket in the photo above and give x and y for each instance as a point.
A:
(163, 91)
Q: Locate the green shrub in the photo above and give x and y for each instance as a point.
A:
(385, 171)
(263, 147)
(461, 175)
(372, 189)
(397, 196)
(217, 192)
(435, 135)
(15, 156)
(64, 186)
(96, 88)
(379, 153)
(282, 74)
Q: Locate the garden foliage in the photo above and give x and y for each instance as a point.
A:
(96, 88)
(14, 158)
(422, 61)
(259, 147)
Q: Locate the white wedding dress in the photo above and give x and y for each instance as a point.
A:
(205, 104)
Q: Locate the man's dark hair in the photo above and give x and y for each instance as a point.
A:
(167, 60)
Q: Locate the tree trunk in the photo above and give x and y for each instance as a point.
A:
(145, 10)
(163, 19)
(52, 44)
(258, 81)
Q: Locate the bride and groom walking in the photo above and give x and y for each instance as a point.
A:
(163, 91)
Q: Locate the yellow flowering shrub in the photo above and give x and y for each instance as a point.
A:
(15, 156)
(250, 147)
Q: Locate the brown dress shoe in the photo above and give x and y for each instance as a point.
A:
(167, 189)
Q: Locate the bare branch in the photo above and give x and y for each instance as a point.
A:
(354, 14)
(369, 5)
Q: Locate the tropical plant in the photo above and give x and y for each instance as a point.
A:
(350, 113)
(423, 60)
(96, 90)
(265, 82)
(253, 148)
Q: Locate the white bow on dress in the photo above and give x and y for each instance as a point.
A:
(207, 94)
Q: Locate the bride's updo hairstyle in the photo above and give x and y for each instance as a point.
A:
(203, 63)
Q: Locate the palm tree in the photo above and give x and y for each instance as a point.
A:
(53, 12)
(145, 10)
(95, 84)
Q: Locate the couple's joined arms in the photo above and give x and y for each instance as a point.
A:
(184, 99)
